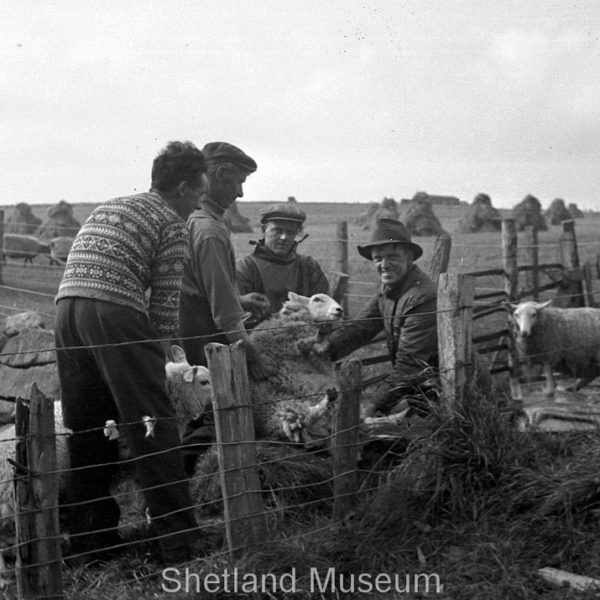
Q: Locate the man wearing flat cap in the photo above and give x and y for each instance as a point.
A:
(275, 268)
(404, 307)
(210, 308)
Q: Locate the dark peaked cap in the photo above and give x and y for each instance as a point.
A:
(217, 153)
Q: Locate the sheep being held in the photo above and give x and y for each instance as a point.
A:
(284, 405)
(563, 338)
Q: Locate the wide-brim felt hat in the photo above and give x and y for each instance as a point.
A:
(390, 231)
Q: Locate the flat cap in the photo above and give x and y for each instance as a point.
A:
(222, 152)
(288, 212)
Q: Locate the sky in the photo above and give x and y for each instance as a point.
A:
(336, 100)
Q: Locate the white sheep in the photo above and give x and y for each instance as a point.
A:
(18, 245)
(190, 390)
(563, 338)
(284, 404)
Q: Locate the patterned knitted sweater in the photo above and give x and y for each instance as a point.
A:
(129, 246)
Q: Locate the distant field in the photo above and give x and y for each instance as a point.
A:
(470, 252)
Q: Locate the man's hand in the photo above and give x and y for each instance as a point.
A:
(257, 304)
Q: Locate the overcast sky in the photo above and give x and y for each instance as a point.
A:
(336, 100)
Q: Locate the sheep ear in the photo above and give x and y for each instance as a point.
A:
(545, 304)
(293, 296)
(178, 354)
(189, 374)
(246, 316)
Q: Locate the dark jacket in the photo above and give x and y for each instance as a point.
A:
(407, 314)
(274, 276)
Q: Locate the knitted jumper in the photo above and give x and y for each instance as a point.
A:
(127, 246)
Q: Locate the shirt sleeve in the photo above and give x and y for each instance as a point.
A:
(219, 282)
(165, 285)
(245, 279)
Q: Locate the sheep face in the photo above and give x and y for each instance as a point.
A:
(525, 316)
(189, 387)
(321, 307)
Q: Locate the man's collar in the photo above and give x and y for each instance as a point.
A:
(263, 252)
(212, 207)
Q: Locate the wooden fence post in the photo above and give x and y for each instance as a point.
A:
(532, 254)
(1, 244)
(454, 324)
(511, 284)
(36, 500)
(245, 521)
(345, 438)
(509, 259)
(570, 261)
(342, 256)
(441, 256)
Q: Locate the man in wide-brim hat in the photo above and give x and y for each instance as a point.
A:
(404, 307)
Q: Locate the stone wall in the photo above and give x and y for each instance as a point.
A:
(27, 356)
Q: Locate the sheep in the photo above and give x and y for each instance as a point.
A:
(190, 390)
(18, 245)
(283, 404)
(59, 249)
(564, 338)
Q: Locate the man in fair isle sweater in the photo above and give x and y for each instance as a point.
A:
(117, 307)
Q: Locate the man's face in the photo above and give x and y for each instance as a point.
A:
(280, 235)
(392, 261)
(226, 185)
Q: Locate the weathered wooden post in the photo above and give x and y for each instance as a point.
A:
(440, 256)
(570, 261)
(532, 254)
(509, 259)
(454, 324)
(342, 256)
(511, 283)
(345, 438)
(245, 521)
(36, 500)
(1, 245)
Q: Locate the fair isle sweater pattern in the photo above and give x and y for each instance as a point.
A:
(126, 247)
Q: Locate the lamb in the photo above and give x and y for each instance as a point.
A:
(564, 338)
(284, 407)
(190, 390)
(17, 245)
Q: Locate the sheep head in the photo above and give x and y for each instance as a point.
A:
(525, 316)
(321, 308)
(189, 387)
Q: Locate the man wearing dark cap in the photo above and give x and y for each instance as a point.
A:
(404, 307)
(210, 308)
(275, 268)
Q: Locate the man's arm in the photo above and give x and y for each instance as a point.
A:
(353, 334)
